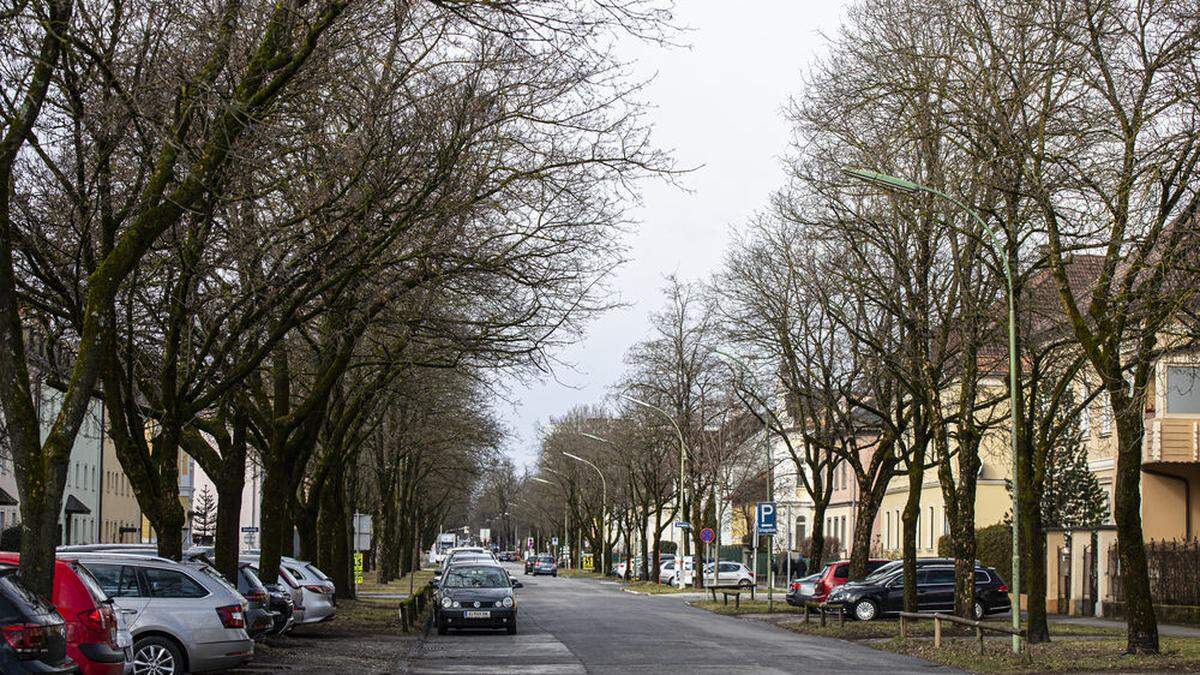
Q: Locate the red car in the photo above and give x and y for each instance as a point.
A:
(89, 615)
(835, 574)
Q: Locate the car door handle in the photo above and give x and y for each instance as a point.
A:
(128, 611)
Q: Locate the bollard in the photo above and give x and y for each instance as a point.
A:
(979, 637)
(806, 612)
(822, 611)
(903, 627)
(937, 632)
(841, 617)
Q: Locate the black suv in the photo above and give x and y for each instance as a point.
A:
(35, 636)
(883, 594)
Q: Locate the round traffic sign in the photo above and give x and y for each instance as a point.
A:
(707, 535)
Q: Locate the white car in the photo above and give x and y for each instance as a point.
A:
(728, 574)
(666, 571)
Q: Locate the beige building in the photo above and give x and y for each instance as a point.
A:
(120, 516)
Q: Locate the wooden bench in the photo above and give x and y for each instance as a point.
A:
(727, 591)
(822, 610)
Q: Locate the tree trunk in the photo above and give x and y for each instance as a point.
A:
(816, 542)
(276, 523)
(912, 508)
(864, 521)
(227, 544)
(1033, 541)
(1141, 624)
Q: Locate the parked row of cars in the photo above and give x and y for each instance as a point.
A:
(473, 590)
(120, 608)
(881, 592)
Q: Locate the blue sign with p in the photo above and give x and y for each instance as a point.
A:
(765, 518)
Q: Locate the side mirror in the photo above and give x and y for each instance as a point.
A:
(517, 584)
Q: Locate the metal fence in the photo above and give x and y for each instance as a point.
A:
(1174, 571)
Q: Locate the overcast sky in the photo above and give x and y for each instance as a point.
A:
(717, 104)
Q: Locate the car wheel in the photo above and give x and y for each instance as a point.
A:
(744, 583)
(978, 611)
(157, 656)
(865, 610)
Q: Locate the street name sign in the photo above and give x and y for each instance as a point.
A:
(683, 525)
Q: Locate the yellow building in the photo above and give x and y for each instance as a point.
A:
(120, 516)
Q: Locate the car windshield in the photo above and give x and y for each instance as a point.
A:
(476, 577)
(880, 574)
(546, 559)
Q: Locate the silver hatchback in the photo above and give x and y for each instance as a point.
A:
(182, 620)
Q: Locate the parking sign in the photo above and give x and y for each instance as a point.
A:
(765, 518)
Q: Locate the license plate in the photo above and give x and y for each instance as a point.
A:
(477, 615)
(806, 589)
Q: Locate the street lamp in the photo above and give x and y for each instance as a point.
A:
(603, 507)
(566, 509)
(682, 456)
(770, 489)
(1001, 250)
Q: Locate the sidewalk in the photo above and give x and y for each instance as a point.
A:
(1168, 630)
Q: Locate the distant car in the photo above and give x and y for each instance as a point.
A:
(530, 561)
(883, 595)
(545, 564)
(476, 595)
(35, 635)
(95, 640)
(260, 618)
(505, 556)
(182, 618)
(666, 570)
(801, 590)
(730, 573)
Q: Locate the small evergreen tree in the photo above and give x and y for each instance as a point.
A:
(204, 518)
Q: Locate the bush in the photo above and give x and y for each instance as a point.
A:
(10, 538)
(993, 548)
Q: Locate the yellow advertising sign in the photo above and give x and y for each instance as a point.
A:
(588, 563)
(358, 568)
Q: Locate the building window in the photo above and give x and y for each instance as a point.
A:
(801, 527)
(1105, 415)
(1183, 390)
(887, 530)
(932, 527)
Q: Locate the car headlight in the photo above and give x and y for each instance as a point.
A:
(456, 604)
(507, 602)
(446, 602)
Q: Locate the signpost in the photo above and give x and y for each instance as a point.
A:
(708, 536)
(764, 524)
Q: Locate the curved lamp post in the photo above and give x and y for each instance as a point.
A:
(603, 507)
(1000, 248)
(566, 510)
(682, 457)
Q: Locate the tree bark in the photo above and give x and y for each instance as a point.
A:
(1142, 626)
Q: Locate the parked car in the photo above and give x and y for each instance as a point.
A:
(666, 572)
(545, 564)
(801, 590)
(93, 633)
(884, 595)
(282, 604)
(530, 561)
(182, 618)
(830, 577)
(260, 618)
(35, 635)
(476, 595)
(286, 581)
(318, 592)
(730, 573)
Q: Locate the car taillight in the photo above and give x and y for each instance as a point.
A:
(29, 639)
(232, 616)
(257, 596)
(101, 621)
(315, 588)
(794, 586)
(1003, 588)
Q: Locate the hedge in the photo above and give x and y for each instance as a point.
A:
(993, 548)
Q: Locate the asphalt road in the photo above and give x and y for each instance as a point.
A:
(585, 626)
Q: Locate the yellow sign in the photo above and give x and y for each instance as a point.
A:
(588, 564)
(358, 568)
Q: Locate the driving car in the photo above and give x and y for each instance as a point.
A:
(545, 564)
(94, 639)
(883, 595)
(182, 618)
(476, 595)
(35, 635)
